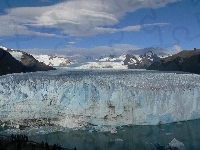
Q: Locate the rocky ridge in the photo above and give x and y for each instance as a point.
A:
(141, 61)
(187, 61)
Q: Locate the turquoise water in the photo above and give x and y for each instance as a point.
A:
(128, 137)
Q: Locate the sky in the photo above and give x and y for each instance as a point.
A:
(94, 25)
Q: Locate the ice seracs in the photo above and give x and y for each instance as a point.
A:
(76, 98)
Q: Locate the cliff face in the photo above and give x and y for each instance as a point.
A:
(79, 98)
(187, 61)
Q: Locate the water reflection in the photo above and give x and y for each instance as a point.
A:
(128, 137)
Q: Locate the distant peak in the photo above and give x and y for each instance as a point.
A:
(149, 53)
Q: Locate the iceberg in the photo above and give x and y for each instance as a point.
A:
(177, 144)
(78, 98)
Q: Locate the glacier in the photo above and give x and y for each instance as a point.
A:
(78, 98)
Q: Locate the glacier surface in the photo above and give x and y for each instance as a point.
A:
(77, 98)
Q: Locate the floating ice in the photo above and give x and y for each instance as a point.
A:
(176, 144)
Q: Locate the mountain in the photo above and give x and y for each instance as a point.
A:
(29, 61)
(140, 61)
(52, 60)
(44, 59)
(116, 59)
(19, 61)
(8, 64)
(187, 61)
(131, 59)
(162, 53)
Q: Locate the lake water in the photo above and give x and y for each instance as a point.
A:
(127, 137)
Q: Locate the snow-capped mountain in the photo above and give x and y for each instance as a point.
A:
(140, 61)
(162, 53)
(132, 59)
(46, 59)
(8, 64)
(53, 60)
(143, 58)
(112, 58)
(27, 60)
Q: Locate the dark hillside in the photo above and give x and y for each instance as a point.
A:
(187, 61)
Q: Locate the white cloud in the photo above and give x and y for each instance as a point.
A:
(11, 26)
(177, 48)
(101, 30)
(75, 17)
(71, 42)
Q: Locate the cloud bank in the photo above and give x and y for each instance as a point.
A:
(75, 17)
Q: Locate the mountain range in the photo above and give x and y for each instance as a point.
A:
(132, 59)
(141, 61)
(149, 58)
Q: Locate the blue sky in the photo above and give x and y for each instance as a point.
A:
(56, 25)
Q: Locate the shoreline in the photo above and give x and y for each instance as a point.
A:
(19, 142)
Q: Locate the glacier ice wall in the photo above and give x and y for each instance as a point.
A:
(77, 98)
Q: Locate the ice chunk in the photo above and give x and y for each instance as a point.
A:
(177, 144)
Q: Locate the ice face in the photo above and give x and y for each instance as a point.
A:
(75, 98)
